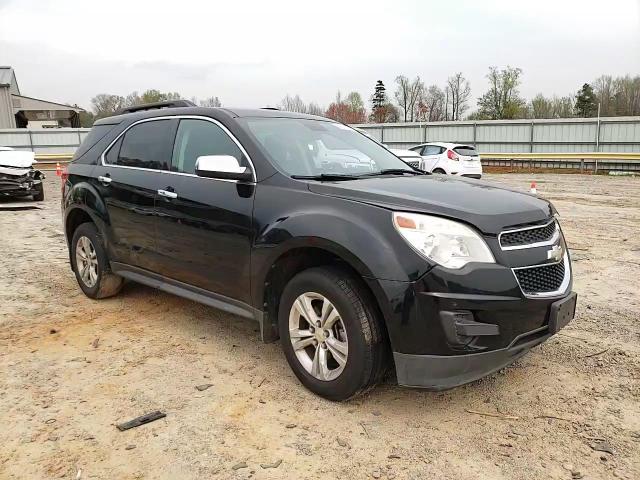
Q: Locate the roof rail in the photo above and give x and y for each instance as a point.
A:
(157, 105)
(269, 108)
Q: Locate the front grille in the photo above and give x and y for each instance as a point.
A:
(528, 236)
(542, 279)
(414, 164)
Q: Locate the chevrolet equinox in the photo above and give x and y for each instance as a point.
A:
(356, 261)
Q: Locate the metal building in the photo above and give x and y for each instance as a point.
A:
(19, 111)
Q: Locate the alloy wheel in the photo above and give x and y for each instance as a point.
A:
(318, 336)
(87, 261)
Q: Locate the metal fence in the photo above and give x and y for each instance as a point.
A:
(610, 134)
(44, 140)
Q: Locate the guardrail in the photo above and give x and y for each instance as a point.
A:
(48, 161)
(585, 162)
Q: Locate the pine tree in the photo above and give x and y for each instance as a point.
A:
(586, 105)
(378, 102)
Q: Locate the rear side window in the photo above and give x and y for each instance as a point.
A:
(96, 134)
(145, 145)
(197, 138)
(466, 151)
(432, 150)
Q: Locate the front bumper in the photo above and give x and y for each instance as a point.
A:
(9, 188)
(452, 327)
(438, 372)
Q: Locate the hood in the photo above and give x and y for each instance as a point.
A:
(488, 207)
(16, 158)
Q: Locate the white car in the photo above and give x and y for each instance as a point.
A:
(449, 158)
(408, 156)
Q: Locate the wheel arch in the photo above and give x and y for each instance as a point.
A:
(83, 203)
(298, 256)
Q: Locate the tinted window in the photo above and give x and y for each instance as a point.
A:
(196, 138)
(417, 149)
(466, 151)
(95, 135)
(432, 150)
(112, 155)
(148, 145)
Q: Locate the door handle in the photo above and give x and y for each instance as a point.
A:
(104, 180)
(167, 194)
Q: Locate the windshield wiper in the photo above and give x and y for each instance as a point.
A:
(395, 171)
(326, 176)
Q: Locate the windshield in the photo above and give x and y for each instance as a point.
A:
(302, 147)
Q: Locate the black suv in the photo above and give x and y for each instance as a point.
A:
(354, 259)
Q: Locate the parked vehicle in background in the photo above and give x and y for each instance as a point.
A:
(18, 178)
(408, 156)
(450, 159)
(324, 237)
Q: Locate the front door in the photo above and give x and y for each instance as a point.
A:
(431, 155)
(133, 171)
(204, 229)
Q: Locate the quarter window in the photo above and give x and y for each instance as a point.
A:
(197, 138)
(145, 145)
(432, 150)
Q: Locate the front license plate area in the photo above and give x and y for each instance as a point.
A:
(562, 312)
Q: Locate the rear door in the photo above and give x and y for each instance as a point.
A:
(131, 172)
(204, 233)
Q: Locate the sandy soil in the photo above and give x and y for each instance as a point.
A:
(71, 368)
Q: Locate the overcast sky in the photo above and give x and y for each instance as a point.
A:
(250, 54)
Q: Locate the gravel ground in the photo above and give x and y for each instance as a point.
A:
(71, 368)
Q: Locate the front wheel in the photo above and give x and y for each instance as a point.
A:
(331, 334)
(39, 195)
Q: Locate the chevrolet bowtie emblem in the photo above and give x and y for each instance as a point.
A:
(556, 253)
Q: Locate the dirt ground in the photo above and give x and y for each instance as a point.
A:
(71, 368)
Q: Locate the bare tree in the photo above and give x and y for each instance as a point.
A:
(459, 93)
(403, 94)
(210, 102)
(407, 95)
(431, 104)
(315, 109)
(293, 104)
(555, 107)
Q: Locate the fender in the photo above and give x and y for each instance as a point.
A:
(85, 197)
(341, 233)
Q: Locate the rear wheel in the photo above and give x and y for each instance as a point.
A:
(39, 195)
(440, 171)
(330, 334)
(91, 264)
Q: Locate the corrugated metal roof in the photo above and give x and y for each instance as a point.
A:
(6, 75)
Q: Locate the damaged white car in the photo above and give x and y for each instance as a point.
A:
(18, 178)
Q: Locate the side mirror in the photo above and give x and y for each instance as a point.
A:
(222, 166)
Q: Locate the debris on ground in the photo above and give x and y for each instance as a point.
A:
(141, 420)
(202, 388)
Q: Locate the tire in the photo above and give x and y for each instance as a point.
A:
(440, 171)
(39, 196)
(98, 281)
(357, 326)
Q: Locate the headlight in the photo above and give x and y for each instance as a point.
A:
(448, 243)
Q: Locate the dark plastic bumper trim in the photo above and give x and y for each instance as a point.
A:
(438, 372)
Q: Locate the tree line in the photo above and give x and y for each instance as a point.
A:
(412, 100)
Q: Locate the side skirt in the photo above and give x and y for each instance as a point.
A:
(191, 292)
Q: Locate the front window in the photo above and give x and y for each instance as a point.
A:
(302, 147)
